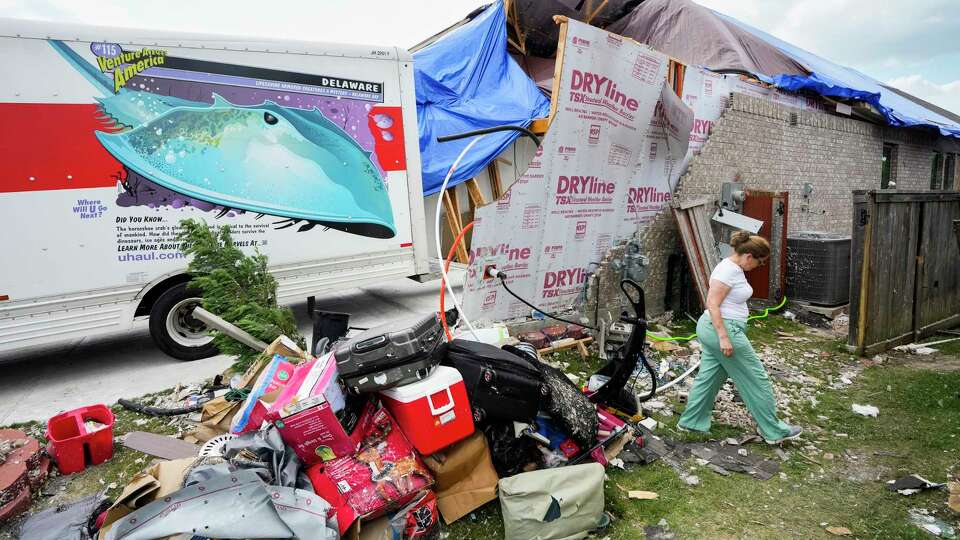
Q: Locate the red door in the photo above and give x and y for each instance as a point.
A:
(771, 208)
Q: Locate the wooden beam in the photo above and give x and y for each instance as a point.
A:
(496, 186)
(452, 207)
(512, 13)
(596, 11)
(865, 276)
(476, 196)
(569, 343)
(558, 65)
(540, 125)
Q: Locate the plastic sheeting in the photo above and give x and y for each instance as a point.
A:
(695, 35)
(832, 80)
(700, 36)
(237, 505)
(64, 522)
(467, 81)
(609, 166)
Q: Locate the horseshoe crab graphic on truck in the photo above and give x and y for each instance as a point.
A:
(234, 139)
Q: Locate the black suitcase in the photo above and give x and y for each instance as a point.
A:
(500, 385)
(397, 353)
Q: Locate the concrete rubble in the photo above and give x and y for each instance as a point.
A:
(793, 387)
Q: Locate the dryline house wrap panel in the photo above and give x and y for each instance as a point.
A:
(604, 169)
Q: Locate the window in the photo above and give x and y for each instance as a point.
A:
(888, 174)
(950, 181)
(936, 171)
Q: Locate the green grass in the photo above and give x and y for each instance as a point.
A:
(918, 431)
(111, 476)
(919, 424)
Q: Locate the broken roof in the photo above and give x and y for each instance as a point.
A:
(695, 35)
(833, 80)
(700, 36)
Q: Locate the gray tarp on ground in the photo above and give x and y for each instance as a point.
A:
(695, 35)
(67, 522)
(266, 447)
(252, 495)
(237, 505)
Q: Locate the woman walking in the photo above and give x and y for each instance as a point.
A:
(726, 351)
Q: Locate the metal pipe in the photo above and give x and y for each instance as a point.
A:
(229, 329)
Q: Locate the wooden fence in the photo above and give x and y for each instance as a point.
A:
(905, 267)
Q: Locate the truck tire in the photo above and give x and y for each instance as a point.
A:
(173, 328)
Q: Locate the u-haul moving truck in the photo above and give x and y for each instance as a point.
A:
(110, 137)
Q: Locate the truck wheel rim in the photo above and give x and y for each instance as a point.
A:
(182, 328)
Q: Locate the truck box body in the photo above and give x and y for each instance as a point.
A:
(110, 137)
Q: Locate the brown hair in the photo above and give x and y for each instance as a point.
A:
(743, 242)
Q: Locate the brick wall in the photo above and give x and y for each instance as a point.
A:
(757, 140)
(914, 157)
(914, 164)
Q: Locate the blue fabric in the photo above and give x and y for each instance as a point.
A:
(833, 80)
(467, 81)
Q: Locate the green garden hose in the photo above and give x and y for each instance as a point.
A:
(765, 314)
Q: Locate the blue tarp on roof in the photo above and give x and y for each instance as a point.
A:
(832, 80)
(467, 81)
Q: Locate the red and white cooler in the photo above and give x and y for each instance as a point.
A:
(434, 412)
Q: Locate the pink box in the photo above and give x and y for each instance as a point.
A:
(252, 413)
(311, 378)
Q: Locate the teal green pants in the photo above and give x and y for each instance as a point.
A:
(748, 375)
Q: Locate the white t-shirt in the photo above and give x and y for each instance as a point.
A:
(734, 306)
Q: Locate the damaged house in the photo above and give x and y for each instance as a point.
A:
(778, 135)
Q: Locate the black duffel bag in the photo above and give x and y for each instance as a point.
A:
(500, 385)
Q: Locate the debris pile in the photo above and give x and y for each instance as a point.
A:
(23, 469)
(792, 386)
(922, 518)
(397, 429)
(394, 429)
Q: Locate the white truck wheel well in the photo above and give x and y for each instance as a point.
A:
(154, 291)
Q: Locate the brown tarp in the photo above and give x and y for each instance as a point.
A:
(686, 31)
(695, 35)
(539, 69)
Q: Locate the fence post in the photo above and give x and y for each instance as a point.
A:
(871, 204)
(956, 231)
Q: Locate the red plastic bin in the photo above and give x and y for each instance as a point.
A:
(72, 446)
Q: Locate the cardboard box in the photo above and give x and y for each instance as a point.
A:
(268, 386)
(311, 428)
(465, 477)
(154, 483)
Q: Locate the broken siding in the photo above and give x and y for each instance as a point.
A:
(835, 154)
